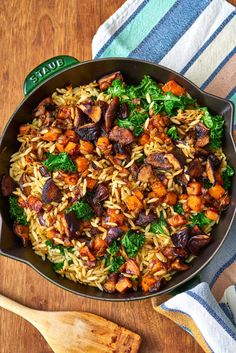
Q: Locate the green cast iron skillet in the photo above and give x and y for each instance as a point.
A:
(62, 70)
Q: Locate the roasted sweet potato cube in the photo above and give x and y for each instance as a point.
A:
(212, 214)
(71, 148)
(159, 189)
(194, 188)
(34, 203)
(86, 147)
(177, 220)
(133, 203)
(99, 246)
(90, 183)
(171, 198)
(85, 252)
(173, 87)
(217, 191)
(132, 268)
(110, 284)
(82, 164)
(148, 282)
(195, 203)
(123, 284)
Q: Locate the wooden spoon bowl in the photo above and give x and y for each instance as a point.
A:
(77, 332)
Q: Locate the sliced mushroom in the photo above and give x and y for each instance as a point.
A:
(113, 234)
(200, 152)
(180, 238)
(178, 265)
(210, 171)
(176, 157)
(89, 132)
(103, 105)
(182, 179)
(8, 185)
(22, 232)
(101, 193)
(80, 118)
(134, 170)
(123, 112)
(51, 192)
(72, 225)
(110, 114)
(25, 189)
(94, 112)
(144, 219)
(196, 230)
(195, 169)
(173, 252)
(145, 174)
(197, 242)
(157, 160)
(43, 171)
(121, 135)
(105, 81)
(41, 219)
(202, 135)
(120, 149)
(45, 104)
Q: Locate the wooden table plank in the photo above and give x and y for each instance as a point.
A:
(32, 31)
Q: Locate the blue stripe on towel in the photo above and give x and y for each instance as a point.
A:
(231, 93)
(208, 42)
(209, 309)
(222, 268)
(135, 13)
(170, 29)
(226, 309)
(219, 67)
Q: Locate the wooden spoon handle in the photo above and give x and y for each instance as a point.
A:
(18, 309)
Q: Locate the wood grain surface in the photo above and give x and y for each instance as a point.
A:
(32, 31)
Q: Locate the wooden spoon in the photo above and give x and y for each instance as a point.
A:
(77, 332)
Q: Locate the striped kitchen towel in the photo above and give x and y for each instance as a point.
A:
(198, 39)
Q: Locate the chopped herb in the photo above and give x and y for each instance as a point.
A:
(60, 161)
(115, 263)
(113, 248)
(178, 208)
(216, 125)
(58, 266)
(200, 219)
(134, 122)
(132, 242)
(227, 175)
(207, 184)
(157, 227)
(16, 212)
(141, 159)
(173, 133)
(71, 250)
(70, 262)
(82, 210)
(61, 248)
(117, 88)
(170, 103)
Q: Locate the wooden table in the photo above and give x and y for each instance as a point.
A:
(30, 32)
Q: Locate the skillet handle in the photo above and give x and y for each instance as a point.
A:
(47, 69)
(187, 285)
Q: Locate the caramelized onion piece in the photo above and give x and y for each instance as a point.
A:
(51, 192)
